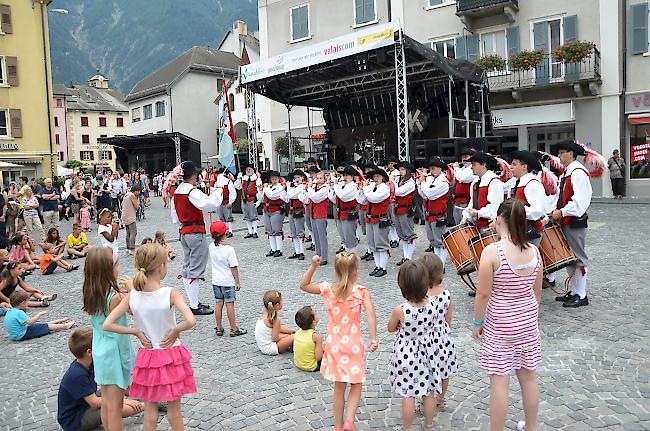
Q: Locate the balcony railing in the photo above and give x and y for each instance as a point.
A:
(548, 72)
(471, 5)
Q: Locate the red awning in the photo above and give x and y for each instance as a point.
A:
(639, 120)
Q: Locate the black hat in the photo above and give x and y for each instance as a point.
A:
(530, 158)
(189, 168)
(578, 150)
(311, 160)
(273, 174)
(370, 167)
(481, 157)
(406, 165)
(296, 173)
(349, 170)
(313, 170)
(381, 172)
(246, 166)
(391, 159)
(340, 165)
(437, 162)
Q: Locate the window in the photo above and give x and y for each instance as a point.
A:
(639, 151)
(56, 121)
(160, 109)
(437, 3)
(4, 123)
(147, 112)
(494, 43)
(59, 103)
(300, 23)
(446, 48)
(85, 139)
(102, 121)
(231, 101)
(84, 121)
(120, 122)
(56, 138)
(87, 155)
(106, 155)
(364, 12)
(135, 115)
(61, 156)
(639, 28)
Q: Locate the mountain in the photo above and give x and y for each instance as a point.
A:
(128, 39)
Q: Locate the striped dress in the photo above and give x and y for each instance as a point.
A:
(511, 338)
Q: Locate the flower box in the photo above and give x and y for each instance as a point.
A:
(574, 52)
(527, 60)
(491, 62)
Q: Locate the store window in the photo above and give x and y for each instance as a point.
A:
(640, 151)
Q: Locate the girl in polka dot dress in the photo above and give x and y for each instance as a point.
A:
(414, 370)
(343, 360)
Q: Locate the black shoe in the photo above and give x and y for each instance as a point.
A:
(308, 239)
(430, 249)
(394, 244)
(374, 271)
(203, 306)
(381, 273)
(255, 235)
(270, 253)
(201, 311)
(294, 256)
(228, 234)
(248, 235)
(565, 297)
(301, 256)
(340, 250)
(323, 262)
(402, 261)
(576, 302)
(472, 293)
(311, 248)
(278, 253)
(366, 256)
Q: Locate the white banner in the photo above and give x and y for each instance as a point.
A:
(370, 38)
(556, 113)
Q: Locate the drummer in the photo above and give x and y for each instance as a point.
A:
(434, 189)
(571, 213)
(528, 189)
(486, 191)
(463, 180)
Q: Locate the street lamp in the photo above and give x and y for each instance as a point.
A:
(59, 11)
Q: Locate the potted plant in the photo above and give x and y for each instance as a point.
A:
(242, 146)
(282, 146)
(491, 62)
(574, 52)
(527, 60)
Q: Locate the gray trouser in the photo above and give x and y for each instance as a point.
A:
(339, 229)
(435, 233)
(362, 220)
(273, 223)
(195, 255)
(377, 237)
(405, 227)
(131, 233)
(319, 236)
(576, 238)
(349, 233)
(458, 212)
(308, 218)
(391, 213)
(224, 212)
(50, 219)
(249, 210)
(297, 227)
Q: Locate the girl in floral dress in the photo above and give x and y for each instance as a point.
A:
(343, 361)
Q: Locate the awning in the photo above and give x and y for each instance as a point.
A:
(9, 165)
(639, 120)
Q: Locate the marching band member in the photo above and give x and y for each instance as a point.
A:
(390, 166)
(318, 195)
(464, 176)
(335, 179)
(528, 189)
(312, 170)
(224, 212)
(345, 205)
(377, 219)
(274, 196)
(187, 208)
(573, 201)
(434, 190)
(405, 191)
(249, 184)
(363, 211)
(486, 191)
(297, 195)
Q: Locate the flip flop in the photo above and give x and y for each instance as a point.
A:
(238, 332)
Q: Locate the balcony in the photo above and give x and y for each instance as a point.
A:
(467, 10)
(550, 73)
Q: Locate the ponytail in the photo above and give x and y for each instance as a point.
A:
(513, 214)
(345, 266)
(270, 299)
(148, 258)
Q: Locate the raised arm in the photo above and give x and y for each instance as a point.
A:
(305, 282)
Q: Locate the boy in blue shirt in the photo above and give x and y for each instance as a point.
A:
(21, 327)
(79, 407)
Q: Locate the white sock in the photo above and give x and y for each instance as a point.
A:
(408, 250)
(301, 246)
(296, 245)
(393, 234)
(571, 270)
(358, 232)
(551, 277)
(254, 224)
(192, 291)
(375, 257)
(443, 255)
(405, 249)
(278, 243)
(580, 285)
(383, 259)
(249, 226)
(272, 242)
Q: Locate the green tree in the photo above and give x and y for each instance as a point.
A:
(73, 164)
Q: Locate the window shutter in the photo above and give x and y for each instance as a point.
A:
(540, 41)
(304, 21)
(5, 11)
(92, 155)
(16, 121)
(295, 24)
(370, 10)
(473, 52)
(639, 28)
(12, 70)
(359, 7)
(512, 37)
(570, 28)
(461, 48)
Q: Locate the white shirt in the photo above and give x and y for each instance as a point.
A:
(197, 198)
(405, 189)
(297, 191)
(464, 174)
(318, 196)
(224, 181)
(274, 192)
(153, 314)
(103, 242)
(222, 258)
(376, 193)
(494, 197)
(432, 190)
(345, 191)
(582, 192)
(240, 178)
(535, 195)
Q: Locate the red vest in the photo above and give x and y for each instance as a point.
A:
(404, 203)
(319, 209)
(461, 192)
(272, 205)
(377, 211)
(482, 202)
(226, 193)
(249, 191)
(436, 208)
(190, 217)
(295, 204)
(343, 208)
(520, 195)
(566, 194)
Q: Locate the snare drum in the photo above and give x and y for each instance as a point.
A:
(480, 241)
(456, 242)
(555, 251)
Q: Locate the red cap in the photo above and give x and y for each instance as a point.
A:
(218, 227)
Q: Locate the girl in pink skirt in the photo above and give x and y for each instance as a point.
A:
(162, 365)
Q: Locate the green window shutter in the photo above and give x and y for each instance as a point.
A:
(639, 28)
(540, 41)
(473, 52)
(512, 35)
(570, 28)
(461, 48)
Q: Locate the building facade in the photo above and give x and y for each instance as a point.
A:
(59, 111)
(26, 129)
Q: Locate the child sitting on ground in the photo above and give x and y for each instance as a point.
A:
(21, 327)
(146, 240)
(225, 278)
(11, 279)
(271, 337)
(79, 407)
(54, 238)
(49, 261)
(307, 342)
(78, 242)
(159, 237)
(21, 252)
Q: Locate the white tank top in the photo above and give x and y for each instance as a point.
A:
(152, 314)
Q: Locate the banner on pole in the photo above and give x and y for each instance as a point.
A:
(226, 132)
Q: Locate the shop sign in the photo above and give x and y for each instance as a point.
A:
(638, 153)
(545, 114)
(639, 102)
(8, 146)
(318, 136)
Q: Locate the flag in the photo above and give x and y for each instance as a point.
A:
(226, 132)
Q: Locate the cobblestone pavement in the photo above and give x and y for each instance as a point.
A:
(595, 373)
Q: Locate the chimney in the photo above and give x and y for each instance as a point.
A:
(241, 27)
(98, 81)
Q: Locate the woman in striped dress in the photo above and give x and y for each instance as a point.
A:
(506, 314)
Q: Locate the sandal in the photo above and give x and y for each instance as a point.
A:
(45, 302)
(219, 331)
(440, 404)
(52, 297)
(237, 332)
